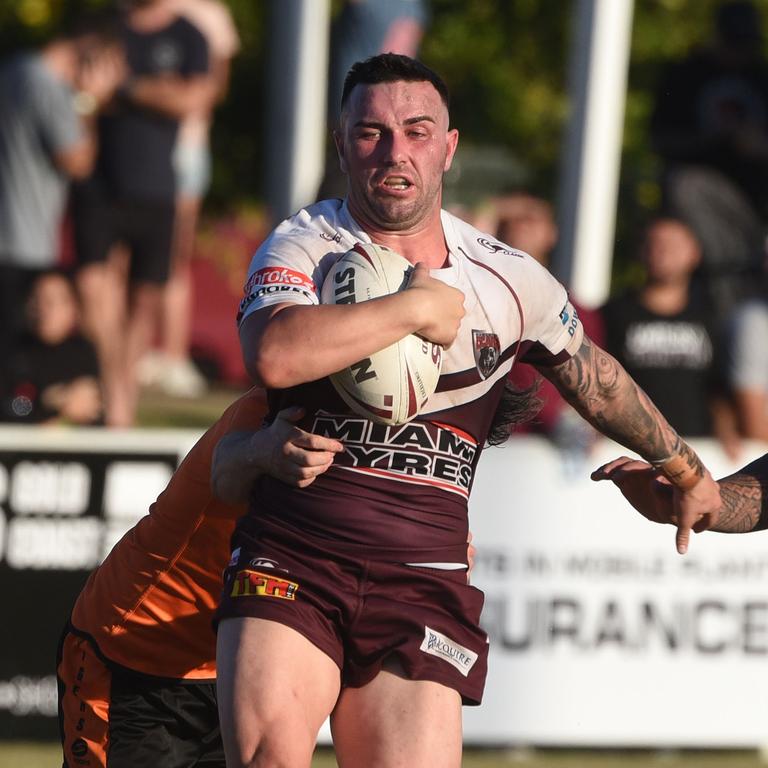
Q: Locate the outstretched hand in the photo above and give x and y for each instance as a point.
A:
(298, 457)
(656, 499)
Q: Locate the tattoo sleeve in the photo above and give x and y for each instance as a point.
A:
(745, 501)
(596, 385)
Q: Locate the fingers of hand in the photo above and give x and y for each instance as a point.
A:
(682, 537)
(605, 471)
(310, 442)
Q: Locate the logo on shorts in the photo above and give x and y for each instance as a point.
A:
(79, 747)
(437, 644)
(249, 583)
(487, 349)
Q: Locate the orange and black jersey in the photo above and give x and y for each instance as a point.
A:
(150, 604)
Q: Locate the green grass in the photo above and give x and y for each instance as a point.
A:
(21, 755)
(159, 410)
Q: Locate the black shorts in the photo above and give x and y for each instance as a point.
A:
(360, 612)
(112, 717)
(145, 227)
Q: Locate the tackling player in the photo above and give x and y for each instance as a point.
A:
(744, 494)
(136, 665)
(373, 619)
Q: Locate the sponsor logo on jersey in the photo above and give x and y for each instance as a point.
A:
(234, 558)
(419, 452)
(437, 644)
(497, 247)
(262, 562)
(569, 318)
(274, 280)
(333, 238)
(487, 349)
(248, 583)
(275, 276)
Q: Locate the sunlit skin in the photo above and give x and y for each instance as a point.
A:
(395, 144)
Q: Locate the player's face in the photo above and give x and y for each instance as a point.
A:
(394, 146)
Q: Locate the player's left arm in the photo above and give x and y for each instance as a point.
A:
(597, 386)
(281, 450)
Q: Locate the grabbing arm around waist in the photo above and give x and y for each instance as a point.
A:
(281, 450)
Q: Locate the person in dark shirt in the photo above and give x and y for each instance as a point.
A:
(130, 198)
(664, 334)
(53, 374)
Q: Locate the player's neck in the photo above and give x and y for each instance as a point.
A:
(425, 242)
(429, 247)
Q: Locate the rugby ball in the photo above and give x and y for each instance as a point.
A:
(392, 385)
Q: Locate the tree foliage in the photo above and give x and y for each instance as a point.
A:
(505, 62)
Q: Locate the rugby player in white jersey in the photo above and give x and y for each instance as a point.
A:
(347, 598)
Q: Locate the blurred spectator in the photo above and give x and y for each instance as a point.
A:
(130, 199)
(48, 101)
(747, 364)
(362, 29)
(169, 367)
(664, 334)
(527, 223)
(53, 375)
(710, 127)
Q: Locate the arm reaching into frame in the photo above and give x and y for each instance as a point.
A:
(281, 450)
(744, 494)
(596, 385)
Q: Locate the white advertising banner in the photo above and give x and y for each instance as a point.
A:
(600, 633)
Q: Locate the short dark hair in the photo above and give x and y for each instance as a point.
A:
(389, 68)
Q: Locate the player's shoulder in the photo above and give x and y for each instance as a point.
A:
(311, 231)
(487, 251)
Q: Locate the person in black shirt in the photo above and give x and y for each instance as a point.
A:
(664, 334)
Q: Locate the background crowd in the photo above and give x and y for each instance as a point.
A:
(106, 162)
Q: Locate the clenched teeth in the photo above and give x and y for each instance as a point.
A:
(397, 182)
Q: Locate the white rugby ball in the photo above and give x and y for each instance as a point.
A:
(392, 385)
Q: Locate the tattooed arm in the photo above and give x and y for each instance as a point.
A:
(744, 494)
(598, 387)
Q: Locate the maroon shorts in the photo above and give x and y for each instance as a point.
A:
(361, 612)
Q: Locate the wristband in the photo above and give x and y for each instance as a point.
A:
(679, 473)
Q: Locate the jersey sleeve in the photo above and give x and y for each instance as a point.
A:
(553, 331)
(281, 271)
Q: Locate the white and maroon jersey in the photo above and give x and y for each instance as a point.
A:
(401, 491)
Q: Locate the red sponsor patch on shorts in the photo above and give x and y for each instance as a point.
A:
(248, 583)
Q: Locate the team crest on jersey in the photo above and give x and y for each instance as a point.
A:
(487, 349)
